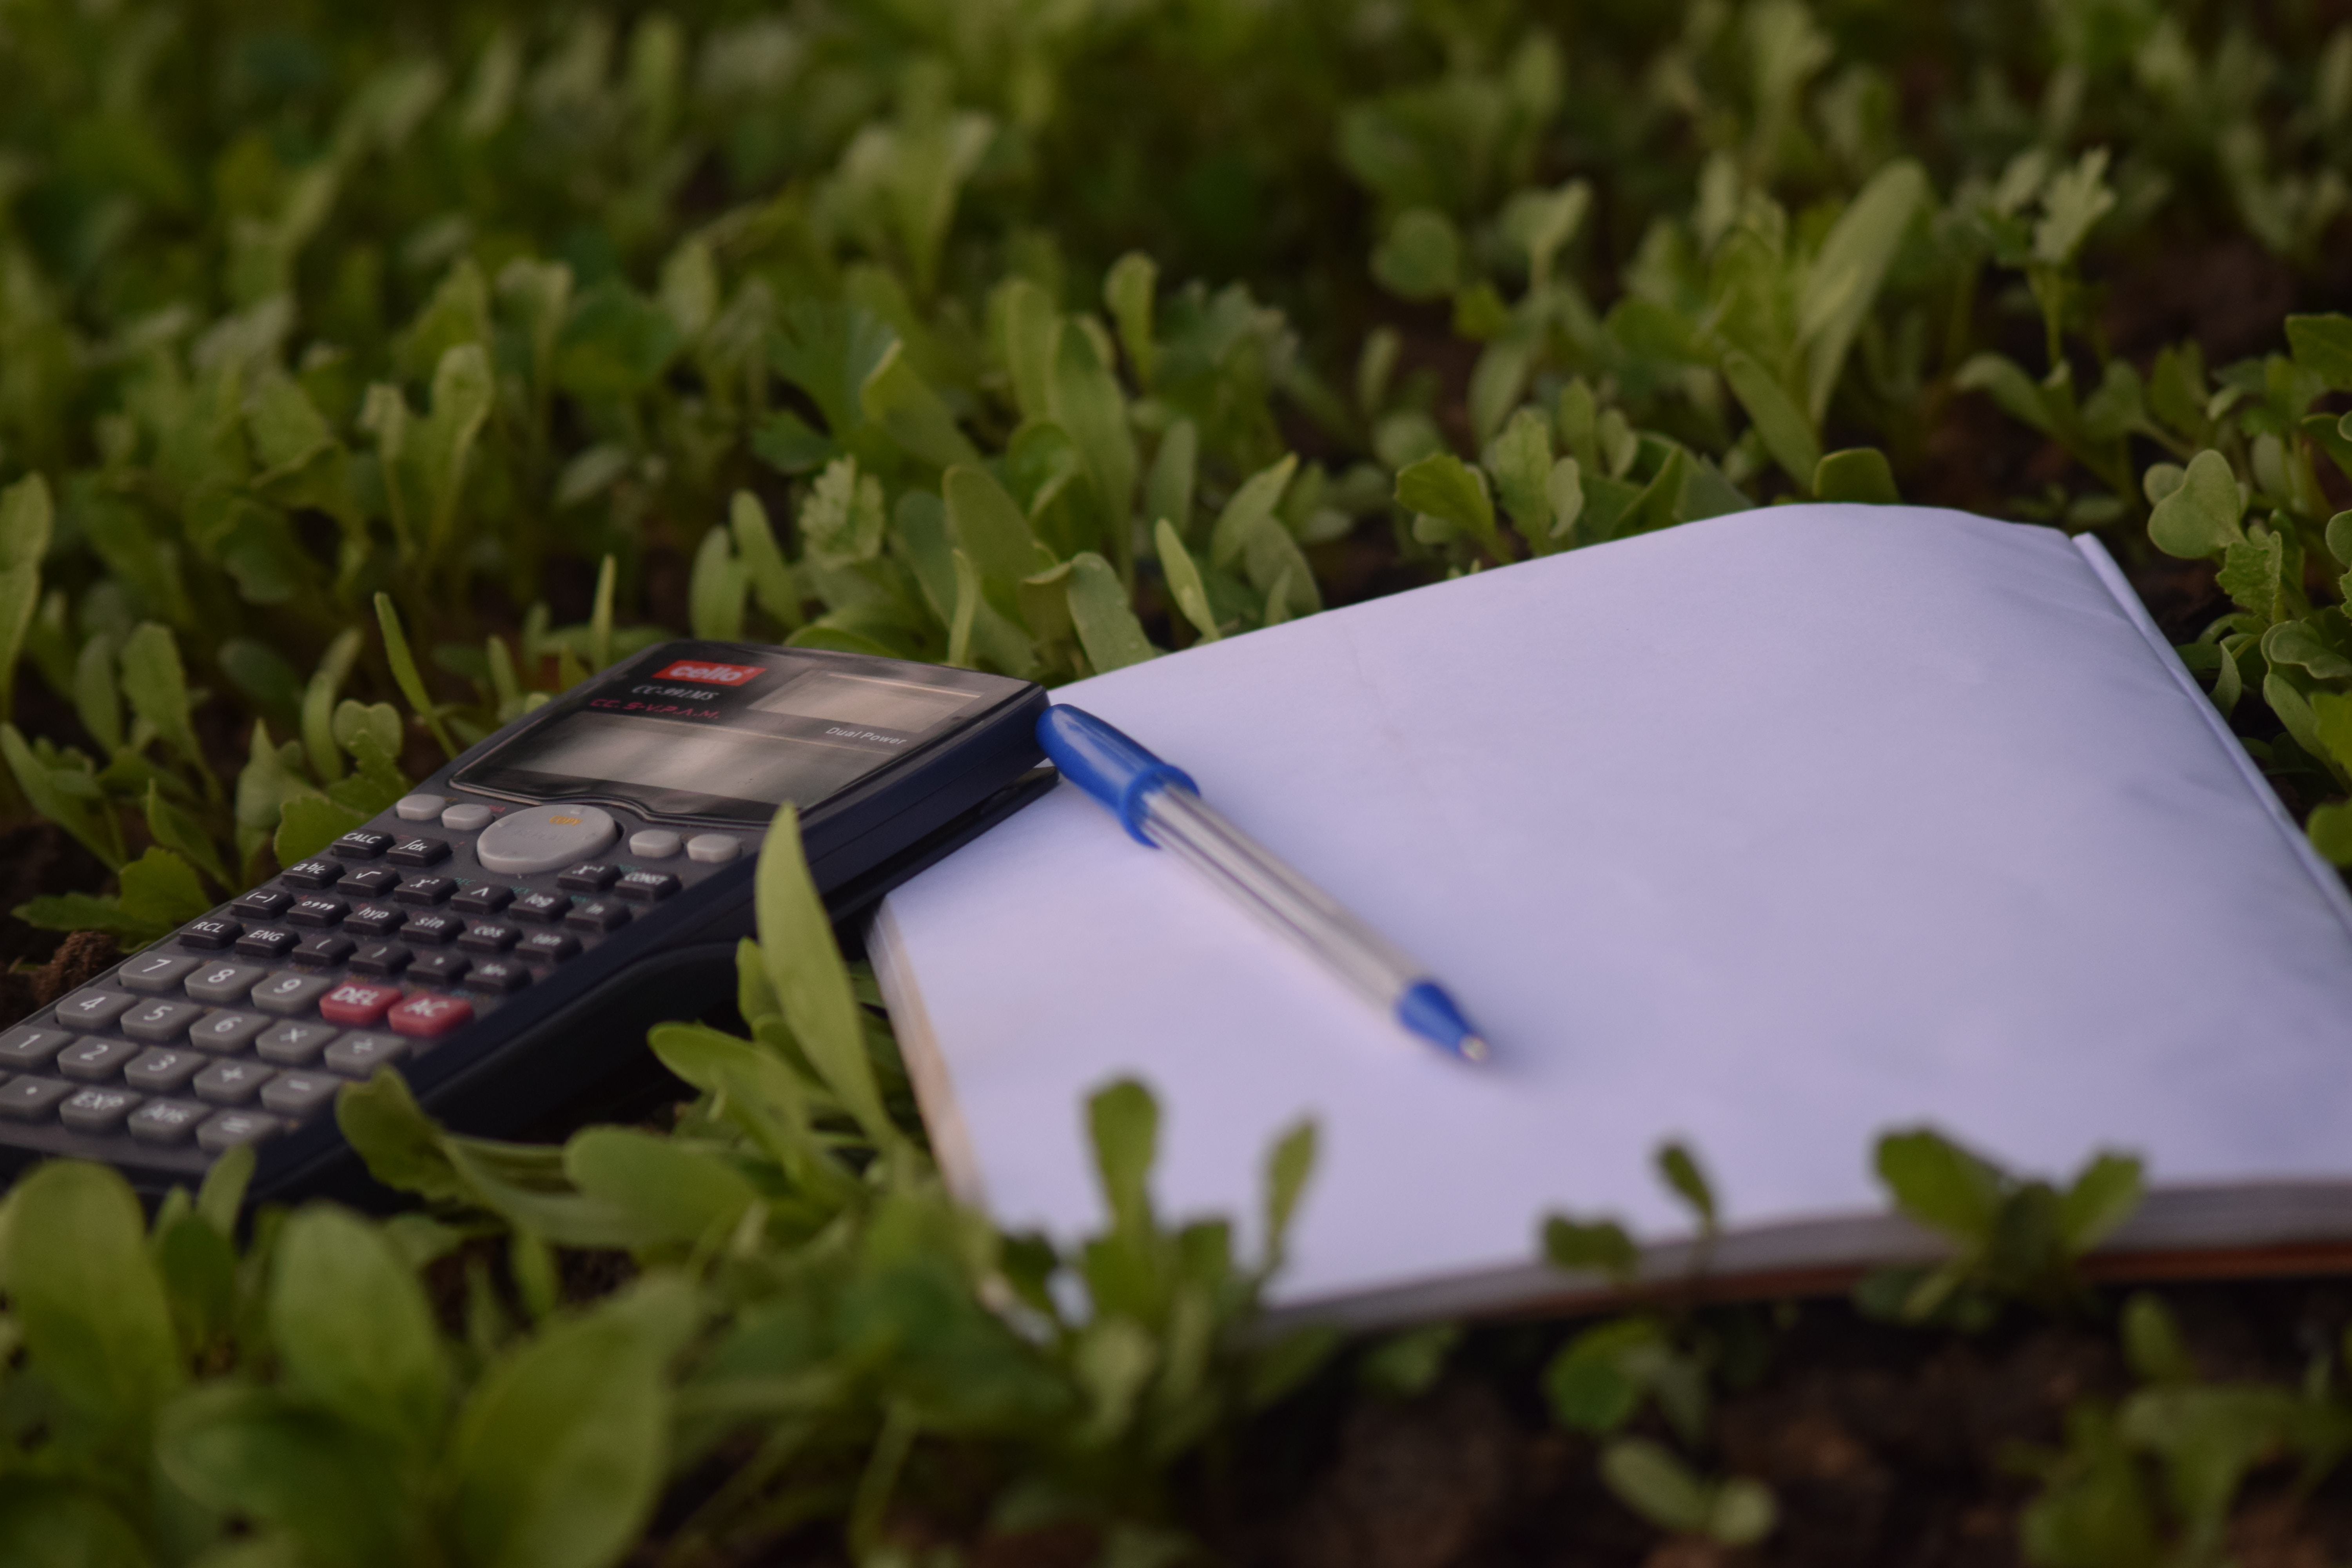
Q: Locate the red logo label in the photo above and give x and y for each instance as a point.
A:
(710, 674)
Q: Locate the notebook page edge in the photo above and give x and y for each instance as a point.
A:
(927, 1066)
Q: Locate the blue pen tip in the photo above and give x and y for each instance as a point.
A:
(1429, 1011)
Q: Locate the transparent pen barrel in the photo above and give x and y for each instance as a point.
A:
(1178, 821)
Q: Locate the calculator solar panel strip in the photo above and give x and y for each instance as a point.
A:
(507, 933)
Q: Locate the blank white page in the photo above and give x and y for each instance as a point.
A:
(1770, 832)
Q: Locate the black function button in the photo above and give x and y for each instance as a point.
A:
(487, 899)
(589, 877)
(381, 959)
(371, 881)
(263, 904)
(362, 845)
(374, 920)
(311, 874)
(211, 934)
(551, 946)
(419, 852)
(323, 949)
(498, 976)
(426, 890)
(318, 912)
(540, 908)
(444, 968)
(647, 887)
(433, 930)
(597, 914)
(268, 943)
(491, 936)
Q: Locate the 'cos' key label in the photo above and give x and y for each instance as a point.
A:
(710, 674)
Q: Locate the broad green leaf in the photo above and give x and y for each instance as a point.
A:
(160, 890)
(1168, 486)
(1843, 281)
(811, 985)
(717, 589)
(1129, 290)
(2010, 387)
(26, 520)
(1030, 329)
(894, 397)
(613, 345)
(1779, 423)
(1650, 1480)
(1564, 489)
(250, 1451)
(1940, 1185)
(87, 1294)
(157, 688)
(1250, 508)
(50, 794)
(2255, 574)
(1744, 1512)
(1540, 222)
(2330, 830)
(2152, 1342)
(1407, 1363)
(989, 525)
(402, 1147)
(1682, 1173)
(2331, 717)
(440, 445)
(404, 673)
(319, 700)
(1104, 620)
(175, 831)
(755, 545)
(2300, 643)
(679, 1192)
(1597, 1246)
(559, 1453)
(1288, 1164)
(2074, 200)
(353, 1330)
(1184, 580)
(2103, 1195)
(1087, 402)
(1857, 474)
(1520, 462)
(308, 823)
(1123, 1129)
(842, 521)
(1443, 487)
(2200, 518)
(1421, 256)
(46, 1522)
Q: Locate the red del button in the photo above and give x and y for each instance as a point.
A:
(356, 1002)
(428, 1014)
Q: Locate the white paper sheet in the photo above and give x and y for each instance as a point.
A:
(1770, 832)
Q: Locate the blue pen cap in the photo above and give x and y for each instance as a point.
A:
(1107, 764)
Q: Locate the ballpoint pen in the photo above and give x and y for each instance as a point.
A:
(1160, 806)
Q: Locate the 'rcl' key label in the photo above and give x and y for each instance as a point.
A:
(710, 674)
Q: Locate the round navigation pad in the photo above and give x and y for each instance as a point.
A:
(544, 837)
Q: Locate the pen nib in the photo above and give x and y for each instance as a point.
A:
(1472, 1048)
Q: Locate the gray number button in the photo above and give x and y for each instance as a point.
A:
(162, 1072)
(97, 1110)
(231, 1128)
(297, 1094)
(290, 994)
(30, 1047)
(228, 1031)
(356, 1055)
(31, 1099)
(156, 972)
(95, 1062)
(294, 1045)
(232, 1083)
(219, 982)
(93, 1009)
(167, 1120)
(159, 1023)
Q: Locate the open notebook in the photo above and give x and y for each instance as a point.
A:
(1770, 832)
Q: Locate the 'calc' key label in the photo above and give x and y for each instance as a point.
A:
(355, 1001)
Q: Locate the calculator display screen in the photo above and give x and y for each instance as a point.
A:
(735, 735)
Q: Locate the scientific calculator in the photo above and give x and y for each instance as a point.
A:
(506, 934)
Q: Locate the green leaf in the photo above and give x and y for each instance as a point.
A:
(308, 823)
(1650, 1481)
(1857, 474)
(160, 890)
(812, 984)
(26, 523)
(1184, 580)
(1779, 423)
(1288, 1167)
(1105, 621)
(439, 446)
(47, 1522)
(1443, 487)
(250, 1451)
(1580, 1246)
(1129, 290)
(678, 1193)
(1407, 1363)
(47, 790)
(86, 1293)
(157, 688)
(755, 545)
(1520, 462)
(402, 1147)
(2102, 1198)
(2330, 830)
(2254, 573)
(404, 673)
(1168, 486)
(1682, 1173)
(717, 589)
(318, 711)
(1843, 281)
(177, 831)
(1087, 402)
(1940, 1185)
(1123, 1128)
(614, 346)
(990, 527)
(559, 1454)
(1250, 510)
(1421, 256)
(1564, 489)
(353, 1330)
(897, 399)
(2074, 199)
(2152, 1342)
(1743, 1514)
(2200, 518)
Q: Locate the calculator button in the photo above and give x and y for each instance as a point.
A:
(713, 849)
(497, 975)
(163, 1072)
(318, 912)
(31, 1099)
(228, 1031)
(166, 1120)
(294, 1045)
(487, 899)
(93, 1009)
(262, 904)
(426, 890)
(355, 1001)
(418, 807)
(647, 887)
(589, 876)
(297, 1094)
(212, 934)
(371, 881)
(311, 874)
(288, 995)
(551, 945)
(160, 1023)
(432, 930)
(466, 818)
(362, 845)
(439, 968)
(155, 972)
(270, 941)
(30, 1047)
(380, 958)
(231, 1128)
(95, 1062)
(429, 1015)
(419, 852)
(356, 1055)
(490, 936)
(96, 1110)
(597, 914)
(374, 920)
(544, 837)
(541, 908)
(654, 843)
(323, 949)
(231, 1082)
(224, 982)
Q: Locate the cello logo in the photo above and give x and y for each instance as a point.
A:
(710, 674)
